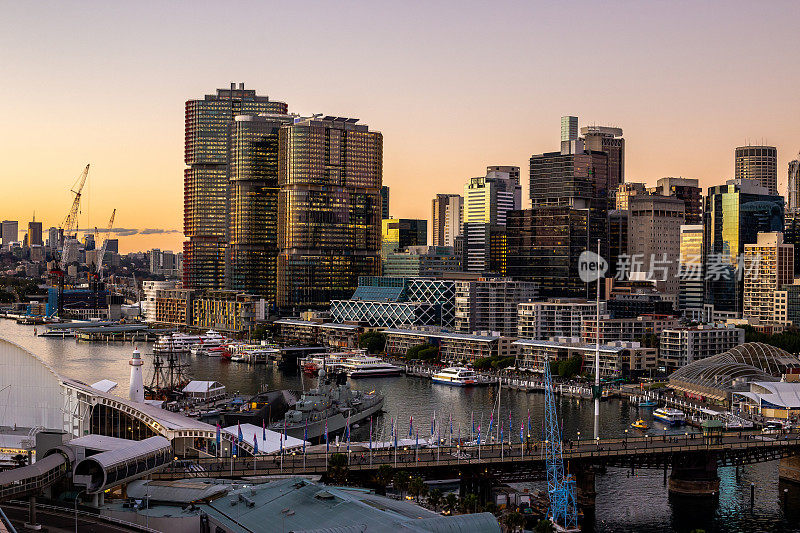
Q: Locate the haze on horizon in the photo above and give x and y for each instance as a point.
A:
(454, 87)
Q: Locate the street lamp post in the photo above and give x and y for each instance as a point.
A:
(76, 509)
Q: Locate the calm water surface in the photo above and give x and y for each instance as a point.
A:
(625, 503)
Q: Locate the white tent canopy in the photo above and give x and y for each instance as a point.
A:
(104, 385)
(271, 444)
(204, 389)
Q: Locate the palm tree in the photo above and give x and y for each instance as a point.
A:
(435, 498)
(337, 468)
(417, 487)
(450, 502)
(470, 501)
(382, 478)
(401, 481)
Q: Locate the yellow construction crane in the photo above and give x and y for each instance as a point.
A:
(69, 228)
(105, 242)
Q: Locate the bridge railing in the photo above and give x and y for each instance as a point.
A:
(531, 454)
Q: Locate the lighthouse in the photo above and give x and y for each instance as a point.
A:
(136, 392)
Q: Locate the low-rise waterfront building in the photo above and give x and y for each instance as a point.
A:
(616, 359)
(625, 329)
(679, 347)
(316, 333)
(453, 347)
(150, 290)
(229, 312)
(556, 317)
(174, 307)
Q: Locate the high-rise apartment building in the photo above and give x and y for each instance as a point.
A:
(490, 304)
(329, 209)
(618, 229)
(768, 266)
(759, 164)
(687, 190)
(793, 194)
(35, 234)
(447, 217)
(53, 238)
(625, 191)
(385, 201)
(569, 128)
(734, 215)
(206, 182)
(608, 140)
(654, 239)
(252, 253)
(691, 267)
(556, 317)
(487, 201)
(10, 231)
(397, 234)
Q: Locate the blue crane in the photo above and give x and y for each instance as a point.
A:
(563, 510)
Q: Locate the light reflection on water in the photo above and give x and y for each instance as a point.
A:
(625, 503)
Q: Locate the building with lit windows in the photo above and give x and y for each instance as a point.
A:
(252, 254)
(625, 191)
(35, 234)
(206, 153)
(734, 214)
(400, 233)
(453, 347)
(422, 262)
(758, 164)
(768, 266)
(490, 304)
(329, 209)
(654, 239)
(680, 346)
(232, 313)
(690, 269)
(385, 201)
(689, 191)
(617, 359)
(556, 317)
(625, 329)
(610, 141)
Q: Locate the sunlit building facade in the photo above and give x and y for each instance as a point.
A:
(252, 264)
(329, 209)
(759, 164)
(206, 152)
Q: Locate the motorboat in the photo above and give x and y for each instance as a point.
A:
(668, 415)
(460, 376)
(364, 366)
(640, 424)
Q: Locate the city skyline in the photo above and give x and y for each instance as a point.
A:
(457, 97)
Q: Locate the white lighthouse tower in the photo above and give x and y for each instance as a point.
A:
(136, 393)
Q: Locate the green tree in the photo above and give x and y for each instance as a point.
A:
(435, 498)
(544, 526)
(401, 481)
(372, 341)
(450, 502)
(469, 503)
(417, 487)
(337, 468)
(382, 478)
(484, 363)
(514, 521)
(649, 340)
(503, 362)
(569, 368)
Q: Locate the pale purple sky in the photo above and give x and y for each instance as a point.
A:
(453, 86)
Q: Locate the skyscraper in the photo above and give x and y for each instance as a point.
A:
(759, 164)
(687, 190)
(329, 209)
(385, 201)
(654, 239)
(793, 194)
(253, 225)
(10, 231)
(397, 234)
(487, 200)
(734, 214)
(35, 233)
(206, 154)
(569, 134)
(768, 266)
(446, 218)
(691, 267)
(608, 140)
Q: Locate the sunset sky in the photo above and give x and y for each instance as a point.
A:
(453, 86)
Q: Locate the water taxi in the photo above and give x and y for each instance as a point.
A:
(457, 376)
(670, 416)
(640, 424)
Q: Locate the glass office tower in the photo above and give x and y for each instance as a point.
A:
(329, 209)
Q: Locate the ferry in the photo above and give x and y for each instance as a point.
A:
(458, 376)
(210, 340)
(670, 416)
(364, 366)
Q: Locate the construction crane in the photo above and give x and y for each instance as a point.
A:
(105, 243)
(69, 229)
(563, 511)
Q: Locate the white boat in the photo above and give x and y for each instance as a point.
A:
(332, 362)
(668, 415)
(459, 376)
(211, 339)
(363, 366)
(182, 342)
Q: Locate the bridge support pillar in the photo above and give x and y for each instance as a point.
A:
(32, 522)
(694, 476)
(789, 469)
(584, 483)
(477, 484)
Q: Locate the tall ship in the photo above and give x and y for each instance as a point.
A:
(668, 415)
(365, 366)
(329, 405)
(170, 376)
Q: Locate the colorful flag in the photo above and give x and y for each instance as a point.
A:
(472, 417)
(529, 421)
(451, 428)
(370, 433)
(433, 424)
(479, 434)
(510, 425)
(327, 443)
(417, 439)
(411, 426)
(491, 421)
(241, 437)
(522, 431)
(255, 445)
(263, 430)
(219, 436)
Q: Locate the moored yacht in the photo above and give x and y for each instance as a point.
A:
(363, 366)
(460, 376)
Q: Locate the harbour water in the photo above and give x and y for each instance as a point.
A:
(625, 502)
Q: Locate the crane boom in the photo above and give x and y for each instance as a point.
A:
(105, 242)
(72, 217)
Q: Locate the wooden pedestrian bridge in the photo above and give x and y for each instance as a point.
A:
(692, 458)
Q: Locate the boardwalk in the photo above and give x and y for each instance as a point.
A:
(732, 448)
